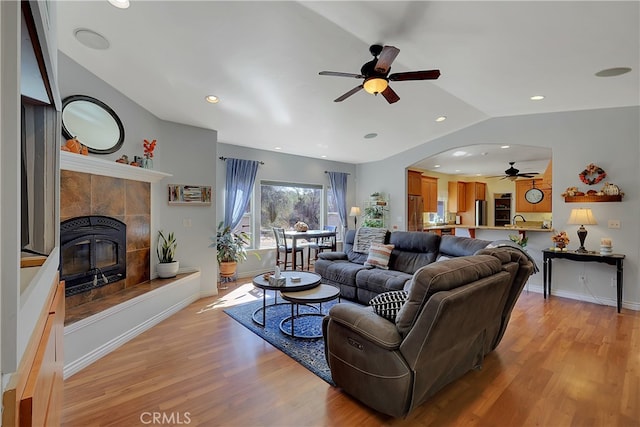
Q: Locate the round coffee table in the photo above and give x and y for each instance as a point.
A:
(307, 281)
(317, 295)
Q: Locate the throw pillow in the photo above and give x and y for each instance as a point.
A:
(389, 303)
(379, 255)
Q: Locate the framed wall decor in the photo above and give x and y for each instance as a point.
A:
(189, 194)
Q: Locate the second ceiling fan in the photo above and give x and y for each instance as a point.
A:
(513, 173)
(376, 74)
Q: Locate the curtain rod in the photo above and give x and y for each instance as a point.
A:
(340, 172)
(225, 158)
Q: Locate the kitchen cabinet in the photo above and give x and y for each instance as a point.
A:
(414, 183)
(430, 193)
(457, 196)
(479, 190)
(522, 185)
(473, 191)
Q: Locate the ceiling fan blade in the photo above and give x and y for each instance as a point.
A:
(390, 95)
(415, 75)
(348, 94)
(339, 74)
(385, 59)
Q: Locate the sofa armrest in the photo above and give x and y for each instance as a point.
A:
(333, 256)
(364, 322)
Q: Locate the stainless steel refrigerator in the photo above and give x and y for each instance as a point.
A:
(481, 212)
(414, 213)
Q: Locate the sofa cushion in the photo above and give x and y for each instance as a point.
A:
(379, 255)
(413, 250)
(340, 272)
(454, 246)
(443, 276)
(377, 281)
(389, 303)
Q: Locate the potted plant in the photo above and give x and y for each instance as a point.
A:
(231, 249)
(166, 251)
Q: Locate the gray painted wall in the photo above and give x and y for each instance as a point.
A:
(608, 137)
(186, 152)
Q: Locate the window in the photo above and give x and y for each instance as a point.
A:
(283, 204)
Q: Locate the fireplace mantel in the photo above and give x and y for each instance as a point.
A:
(93, 165)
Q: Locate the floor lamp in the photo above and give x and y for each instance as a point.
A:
(355, 213)
(582, 216)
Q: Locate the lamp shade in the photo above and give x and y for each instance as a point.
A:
(582, 216)
(355, 211)
(375, 85)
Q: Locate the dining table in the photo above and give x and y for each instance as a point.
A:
(306, 235)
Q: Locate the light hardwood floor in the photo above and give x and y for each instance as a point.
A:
(561, 363)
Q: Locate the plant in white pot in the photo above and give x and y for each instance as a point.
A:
(166, 251)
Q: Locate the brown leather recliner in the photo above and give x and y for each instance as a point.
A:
(456, 313)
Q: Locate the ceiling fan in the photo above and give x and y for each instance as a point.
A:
(376, 74)
(513, 173)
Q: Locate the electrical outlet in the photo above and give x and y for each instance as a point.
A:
(613, 282)
(614, 223)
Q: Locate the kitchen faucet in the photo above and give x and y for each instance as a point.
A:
(513, 221)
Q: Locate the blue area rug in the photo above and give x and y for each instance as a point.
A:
(308, 352)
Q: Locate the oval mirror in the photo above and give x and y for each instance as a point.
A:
(93, 122)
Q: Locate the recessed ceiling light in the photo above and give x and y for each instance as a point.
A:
(212, 99)
(441, 119)
(612, 72)
(324, 156)
(459, 153)
(277, 148)
(537, 97)
(457, 170)
(370, 135)
(505, 146)
(91, 39)
(436, 166)
(120, 4)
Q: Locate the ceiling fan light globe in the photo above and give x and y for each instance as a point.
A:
(375, 85)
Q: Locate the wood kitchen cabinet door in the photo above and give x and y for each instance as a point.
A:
(457, 196)
(522, 186)
(430, 193)
(414, 183)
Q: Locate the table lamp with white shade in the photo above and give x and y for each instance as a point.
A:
(582, 216)
(355, 213)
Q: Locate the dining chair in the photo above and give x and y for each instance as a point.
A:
(322, 244)
(283, 248)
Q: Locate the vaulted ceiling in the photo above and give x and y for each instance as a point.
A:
(262, 60)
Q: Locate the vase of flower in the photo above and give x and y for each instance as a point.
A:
(147, 161)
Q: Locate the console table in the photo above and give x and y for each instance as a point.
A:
(613, 259)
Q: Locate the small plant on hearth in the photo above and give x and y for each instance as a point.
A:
(166, 251)
(166, 248)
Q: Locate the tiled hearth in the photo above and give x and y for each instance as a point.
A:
(126, 200)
